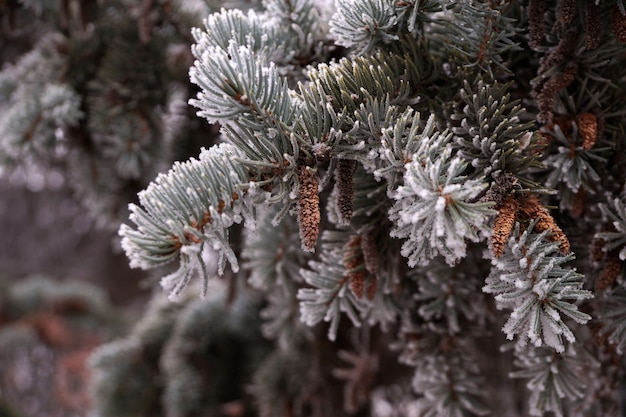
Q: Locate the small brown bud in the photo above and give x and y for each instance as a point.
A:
(587, 129)
(308, 207)
(370, 252)
(550, 89)
(372, 287)
(618, 24)
(609, 273)
(503, 225)
(531, 207)
(536, 21)
(593, 24)
(500, 189)
(578, 203)
(354, 261)
(357, 283)
(567, 10)
(596, 249)
(344, 174)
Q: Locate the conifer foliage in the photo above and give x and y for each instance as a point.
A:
(409, 205)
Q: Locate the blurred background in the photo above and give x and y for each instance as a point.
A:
(92, 106)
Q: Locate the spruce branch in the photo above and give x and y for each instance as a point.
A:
(615, 212)
(190, 206)
(338, 99)
(364, 25)
(612, 316)
(271, 252)
(202, 370)
(351, 82)
(402, 140)
(330, 293)
(552, 377)
(529, 279)
(448, 294)
(285, 32)
(479, 34)
(38, 104)
(417, 14)
(272, 255)
(573, 165)
(232, 25)
(450, 386)
(283, 384)
(241, 88)
(434, 209)
(300, 24)
(489, 132)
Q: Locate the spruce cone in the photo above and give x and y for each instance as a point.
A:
(309, 207)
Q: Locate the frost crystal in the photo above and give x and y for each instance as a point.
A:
(434, 210)
(529, 279)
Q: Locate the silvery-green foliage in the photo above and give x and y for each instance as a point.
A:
(488, 130)
(181, 211)
(530, 278)
(364, 24)
(120, 369)
(612, 315)
(435, 210)
(300, 21)
(231, 351)
(352, 82)
(329, 294)
(449, 385)
(37, 103)
(273, 33)
(615, 213)
(572, 165)
(449, 294)
(414, 116)
(271, 252)
(401, 140)
(239, 87)
(245, 93)
(232, 25)
(418, 15)
(283, 378)
(367, 25)
(343, 115)
(477, 34)
(272, 255)
(552, 378)
(130, 161)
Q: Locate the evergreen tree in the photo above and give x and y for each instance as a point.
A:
(380, 207)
